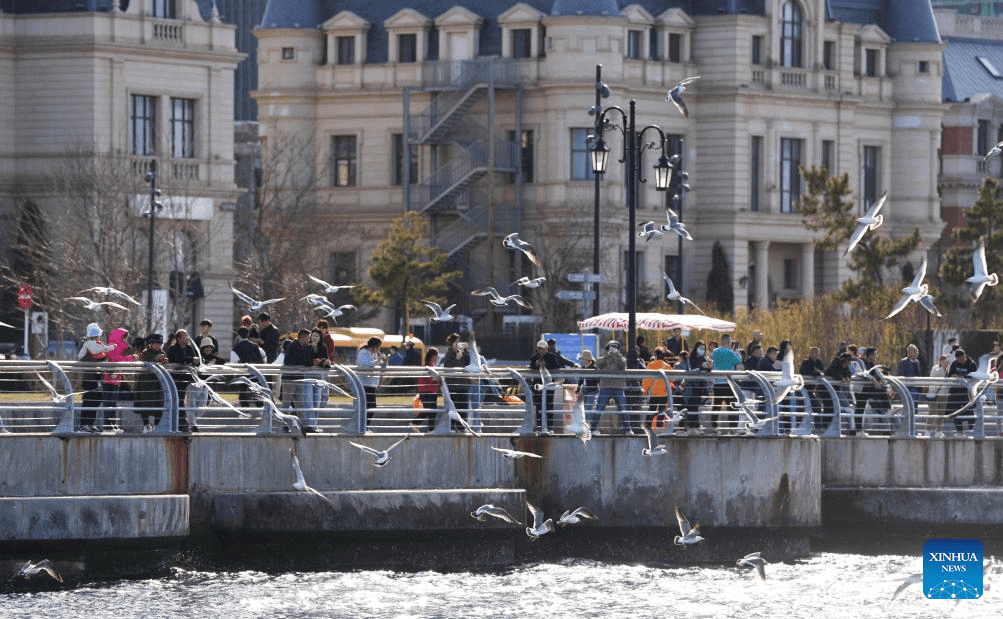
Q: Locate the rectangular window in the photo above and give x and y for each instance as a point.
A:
(790, 274)
(634, 44)
(343, 160)
(982, 137)
(163, 9)
(829, 157)
(288, 53)
(407, 48)
(143, 125)
(398, 155)
(522, 43)
(755, 171)
(757, 49)
(924, 67)
(653, 44)
(871, 176)
(829, 55)
(581, 161)
(526, 161)
(675, 47)
(182, 128)
(871, 62)
(790, 174)
(346, 50)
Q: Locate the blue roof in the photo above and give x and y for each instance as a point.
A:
(903, 20)
(585, 7)
(964, 74)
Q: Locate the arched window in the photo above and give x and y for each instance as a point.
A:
(791, 43)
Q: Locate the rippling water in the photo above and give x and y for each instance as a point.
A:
(826, 584)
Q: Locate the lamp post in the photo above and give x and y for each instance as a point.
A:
(151, 177)
(633, 150)
(602, 91)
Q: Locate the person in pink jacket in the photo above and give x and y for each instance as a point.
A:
(113, 379)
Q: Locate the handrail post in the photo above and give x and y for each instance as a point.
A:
(68, 422)
(529, 414)
(358, 421)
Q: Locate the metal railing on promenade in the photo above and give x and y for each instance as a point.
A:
(65, 398)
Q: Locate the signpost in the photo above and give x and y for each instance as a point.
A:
(24, 302)
(586, 294)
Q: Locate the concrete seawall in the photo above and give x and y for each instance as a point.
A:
(232, 495)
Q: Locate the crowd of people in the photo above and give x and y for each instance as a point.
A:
(858, 380)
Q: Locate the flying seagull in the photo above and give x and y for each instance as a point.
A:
(264, 396)
(252, 304)
(981, 279)
(754, 560)
(650, 230)
(915, 291)
(512, 241)
(328, 288)
(300, 483)
(112, 292)
(499, 301)
(57, 397)
(788, 381)
(908, 580)
(578, 415)
(654, 448)
(382, 456)
(447, 401)
(514, 454)
(441, 315)
(751, 421)
(687, 534)
(94, 305)
(993, 152)
(529, 283)
(675, 296)
(540, 526)
(576, 516)
(675, 95)
(675, 226)
(4, 324)
(869, 221)
(199, 383)
(30, 569)
(482, 513)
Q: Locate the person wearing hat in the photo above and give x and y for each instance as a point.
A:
(182, 354)
(369, 359)
(543, 359)
(149, 396)
(957, 398)
(205, 333)
(92, 350)
(612, 361)
(412, 356)
(561, 359)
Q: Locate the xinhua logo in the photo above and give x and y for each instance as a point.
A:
(952, 569)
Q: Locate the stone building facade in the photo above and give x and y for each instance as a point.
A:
(488, 103)
(116, 85)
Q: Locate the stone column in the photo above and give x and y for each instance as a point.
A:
(761, 251)
(807, 271)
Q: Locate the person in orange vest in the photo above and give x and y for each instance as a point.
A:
(654, 388)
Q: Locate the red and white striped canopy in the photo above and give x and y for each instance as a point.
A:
(617, 321)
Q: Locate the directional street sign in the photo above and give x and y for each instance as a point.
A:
(571, 295)
(584, 277)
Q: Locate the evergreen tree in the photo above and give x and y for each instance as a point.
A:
(824, 208)
(983, 219)
(407, 270)
(719, 289)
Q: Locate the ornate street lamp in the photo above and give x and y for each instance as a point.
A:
(633, 150)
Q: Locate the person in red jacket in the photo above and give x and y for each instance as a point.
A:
(112, 383)
(428, 393)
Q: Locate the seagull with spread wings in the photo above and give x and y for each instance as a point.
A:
(382, 455)
(650, 230)
(675, 95)
(870, 221)
(300, 483)
(981, 279)
(526, 282)
(675, 226)
(916, 291)
(482, 513)
(513, 241)
(95, 305)
(111, 292)
(253, 304)
(687, 534)
(329, 288)
(499, 301)
(441, 315)
(674, 294)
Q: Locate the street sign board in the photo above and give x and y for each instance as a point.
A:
(585, 277)
(575, 295)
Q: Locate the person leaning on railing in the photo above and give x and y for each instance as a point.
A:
(428, 393)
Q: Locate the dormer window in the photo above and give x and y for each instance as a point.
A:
(346, 38)
(674, 29)
(407, 31)
(522, 43)
(521, 32)
(407, 47)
